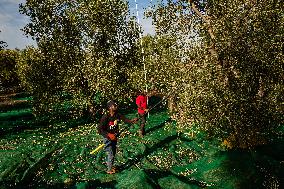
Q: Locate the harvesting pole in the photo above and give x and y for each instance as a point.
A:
(97, 149)
(142, 49)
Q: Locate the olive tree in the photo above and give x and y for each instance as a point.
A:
(234, 84)
(85, 49)
(8, 76)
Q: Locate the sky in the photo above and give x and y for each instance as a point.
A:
(11, 22)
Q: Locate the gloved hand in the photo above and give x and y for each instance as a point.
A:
(112, 136)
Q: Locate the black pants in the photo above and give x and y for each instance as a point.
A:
(142, 123)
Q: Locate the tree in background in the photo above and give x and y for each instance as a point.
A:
(162, 67)
(233, 86)
(34, 75)
(8, 73)
(85, 49)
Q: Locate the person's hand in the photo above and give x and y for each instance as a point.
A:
(115, 122)
(134, 120)
(146, 111)
(112, 136)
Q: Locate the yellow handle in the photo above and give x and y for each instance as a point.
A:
(97, 149)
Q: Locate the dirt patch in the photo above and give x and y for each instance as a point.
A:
(7, 96)
(9, 102)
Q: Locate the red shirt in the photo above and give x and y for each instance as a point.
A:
(141, 102)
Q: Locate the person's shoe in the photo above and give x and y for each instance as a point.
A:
(112, 171)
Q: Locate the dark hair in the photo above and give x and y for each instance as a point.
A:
(141, 92)
(110, 103)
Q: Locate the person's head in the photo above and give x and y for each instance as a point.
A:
(111, 106)
(142, 92)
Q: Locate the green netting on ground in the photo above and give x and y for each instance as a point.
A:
(15, 114)
(134, 179)
(58, 156)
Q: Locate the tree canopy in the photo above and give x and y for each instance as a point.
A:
(85, 47)
(234, 84)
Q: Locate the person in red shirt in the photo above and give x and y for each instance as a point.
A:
(141, 102)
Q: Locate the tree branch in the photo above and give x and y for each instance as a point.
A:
(210, 31)
(212, 48)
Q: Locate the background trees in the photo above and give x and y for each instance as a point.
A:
(8, 74)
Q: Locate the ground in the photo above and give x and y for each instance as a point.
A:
(57, 155)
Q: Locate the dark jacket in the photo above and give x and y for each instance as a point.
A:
(107, 124)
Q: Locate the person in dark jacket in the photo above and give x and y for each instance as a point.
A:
(109, 129)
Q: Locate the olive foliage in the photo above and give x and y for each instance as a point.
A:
(234, 83)
(8, 72)
(85, 49)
